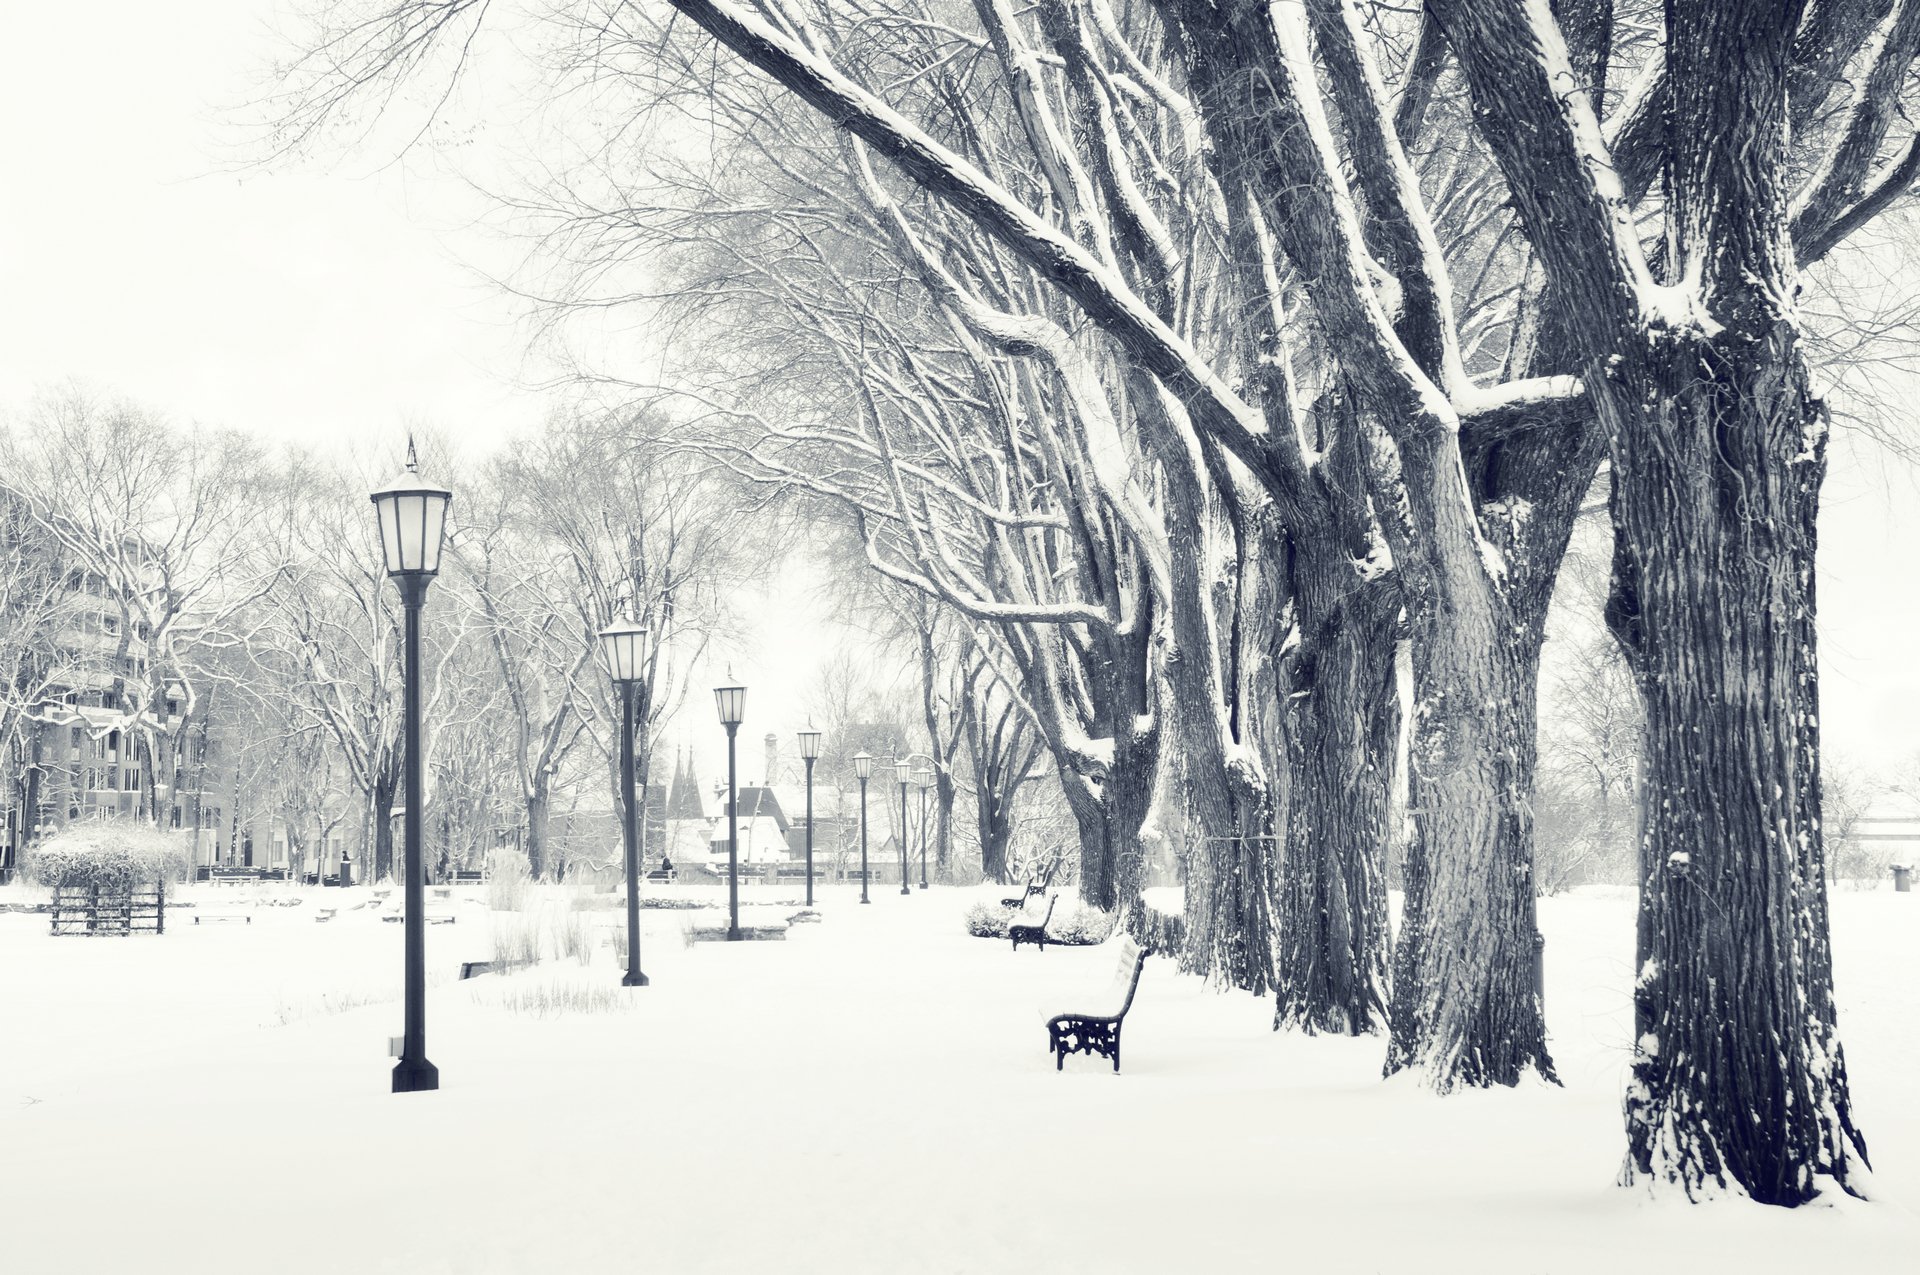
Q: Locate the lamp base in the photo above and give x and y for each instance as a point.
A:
(415, 1076)
(634, 978)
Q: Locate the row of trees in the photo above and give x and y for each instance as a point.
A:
(1197, 358)
(251, 636)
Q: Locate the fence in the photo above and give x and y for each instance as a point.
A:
(86, 909)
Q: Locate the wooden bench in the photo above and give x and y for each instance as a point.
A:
(199, 916)
(1099, 1033)
(1029, 933)
(466, 876)
(1033, 888)
(663, 876)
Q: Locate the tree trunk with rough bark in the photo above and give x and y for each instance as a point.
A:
(1109, 813)
(1738, 1074)
(538, 807)
(1342, 726)
(385, 790)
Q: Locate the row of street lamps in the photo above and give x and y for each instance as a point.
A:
(412, 519)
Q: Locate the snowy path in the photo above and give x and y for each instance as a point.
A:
(872, 1095)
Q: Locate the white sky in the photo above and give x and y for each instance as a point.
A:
(340, 305)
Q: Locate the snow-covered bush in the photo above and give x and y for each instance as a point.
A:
(573, 937)
(988, 920)
(1081, 923)
(111, 855)
(517, 938)
(509, 885)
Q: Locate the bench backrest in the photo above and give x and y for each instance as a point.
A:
(1133, 958)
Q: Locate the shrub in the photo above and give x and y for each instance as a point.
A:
(988, 920)
(509, 885)
(1082, 924)
(573, 936)
(111, 855)
(516, 938)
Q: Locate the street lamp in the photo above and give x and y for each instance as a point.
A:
(810, 753)
(863, 769)
(923, 777)
(732, 703)
(624, 646)
(903, 771)
(413, 524)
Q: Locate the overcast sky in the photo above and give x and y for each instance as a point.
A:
(343, 303)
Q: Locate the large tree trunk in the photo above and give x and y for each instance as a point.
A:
(1109, 813)
(1228, 801)
(385, 790)
(1738, 1075)
(1465, 1008)
(1342, 724)
(538, 808)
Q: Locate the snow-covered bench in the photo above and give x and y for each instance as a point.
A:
(1033, 889)
(1099, 1033)
(1027, 932)
(221, 914)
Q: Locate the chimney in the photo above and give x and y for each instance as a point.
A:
(773, 757)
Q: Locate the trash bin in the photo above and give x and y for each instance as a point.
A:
(1902, 877)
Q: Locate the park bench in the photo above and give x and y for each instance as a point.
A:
(663, 876)
(466, 876)
(325, 914)
(1029, 933)
(221, 914)
(434, 915)
(1034, 889)
(1099, 1033)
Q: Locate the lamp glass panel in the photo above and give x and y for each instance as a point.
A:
(389, 532)
(902, 771)
(863, 765)
(434, 530)
(810, 744)
(412, 510)
(732, 703)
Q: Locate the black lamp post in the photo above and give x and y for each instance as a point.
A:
(624, 644)
(923, 777)
(732, 702)
(903, 771)
(413, 524)
(863, 770)
(810, 753)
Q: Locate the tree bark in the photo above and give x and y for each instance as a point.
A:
(1341, 722)
(1738, 1071)
(1109, 812)
(385, 788)
(538, 807)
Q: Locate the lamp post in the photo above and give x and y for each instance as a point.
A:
(624, 644)
(810, 753)
(413, 524)
(732, 703)
(863, 769)
(923, 777)
(903, 771)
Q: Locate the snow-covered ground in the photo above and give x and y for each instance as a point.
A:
(872, 1094)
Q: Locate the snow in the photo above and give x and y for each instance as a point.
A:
(871, 1094)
